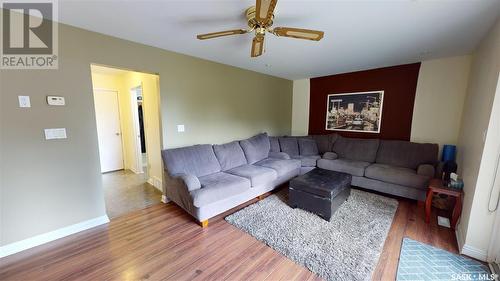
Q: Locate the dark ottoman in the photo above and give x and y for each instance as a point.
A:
(320, 191)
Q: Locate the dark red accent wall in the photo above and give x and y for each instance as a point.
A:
(399, 84)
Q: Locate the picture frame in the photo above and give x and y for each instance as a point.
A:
(355, 112)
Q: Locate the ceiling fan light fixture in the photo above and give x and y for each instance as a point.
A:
(260, 19)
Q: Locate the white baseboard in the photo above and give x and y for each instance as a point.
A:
(473, 252)
(460, 238)
(37, 240)
(468, 250)
(156, 182)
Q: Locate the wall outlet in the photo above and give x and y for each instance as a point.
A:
(180, 128)
(24, 101)
(55, 100)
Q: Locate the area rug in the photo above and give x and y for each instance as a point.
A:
(345, 248)
(419, 261)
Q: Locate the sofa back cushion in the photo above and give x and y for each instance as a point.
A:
(275, 144)
(289, 145)
(307, 146)
(230, 155)
(407, 154)
(325, 142)
(198, 160)
(356, 149)
(256, 148)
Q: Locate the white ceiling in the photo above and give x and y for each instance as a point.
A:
(358, 34)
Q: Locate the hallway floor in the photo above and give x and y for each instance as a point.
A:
(126, 191)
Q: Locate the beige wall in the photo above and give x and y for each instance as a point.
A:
(152, 126)
(439, 100)
(47, 185)
(300, 111)
(476, 158)
(123, 82)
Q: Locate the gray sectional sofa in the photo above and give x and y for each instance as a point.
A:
(395, 167)
(206, 180)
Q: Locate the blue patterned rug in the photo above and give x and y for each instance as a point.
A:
(419, 261)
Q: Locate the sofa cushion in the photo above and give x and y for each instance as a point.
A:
(355, 168)
(407, 154)
(325, 142)
(307, 147)
(256, 148)
(307, 160)
(397, 175)
(364, 150)
(198, 160)
(275, 144)
(230, 155)
(256, 174)
(282, 167)
(218, 186)
(289, 145)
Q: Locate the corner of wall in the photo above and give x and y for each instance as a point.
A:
(300, 107)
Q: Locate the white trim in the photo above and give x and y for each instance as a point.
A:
(460, 238)
(494, 247)
(474, 252)
(136, 128)
(156, 182)
(468, 250)
(37, 240)
(164, 199)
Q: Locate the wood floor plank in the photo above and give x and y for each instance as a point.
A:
(162, 242)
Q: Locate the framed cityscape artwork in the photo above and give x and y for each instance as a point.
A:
(355, 112)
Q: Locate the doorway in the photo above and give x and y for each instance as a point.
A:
(129, 136)
(141, 155)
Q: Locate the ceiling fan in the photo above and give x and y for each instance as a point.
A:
(260, 19)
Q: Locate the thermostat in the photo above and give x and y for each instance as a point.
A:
(55, 100)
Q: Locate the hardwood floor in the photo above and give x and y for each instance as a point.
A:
(162, 242)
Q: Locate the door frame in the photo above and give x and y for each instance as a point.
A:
(119, 121)
(493, 254)
(138, 168)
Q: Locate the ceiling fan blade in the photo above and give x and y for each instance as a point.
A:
(257, 46)
(299, 33)
(221, 33)
(264, 10)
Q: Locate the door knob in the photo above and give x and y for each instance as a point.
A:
(117, 134)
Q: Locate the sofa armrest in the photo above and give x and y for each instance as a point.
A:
(190, 181)
(279, 155)
(330, 155)
(426, 170)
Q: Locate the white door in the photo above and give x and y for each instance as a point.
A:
(108, 130)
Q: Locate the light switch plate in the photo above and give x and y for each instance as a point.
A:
(24, 101)
(180, 128)
(56, 100)
(55, 133)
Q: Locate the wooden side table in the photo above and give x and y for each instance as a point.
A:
(436, 186)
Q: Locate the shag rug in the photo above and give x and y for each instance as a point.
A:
(345, 248)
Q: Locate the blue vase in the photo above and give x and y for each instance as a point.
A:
(449, 153)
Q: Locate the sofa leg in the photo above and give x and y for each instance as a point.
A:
(260, 197)
(204, 223)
